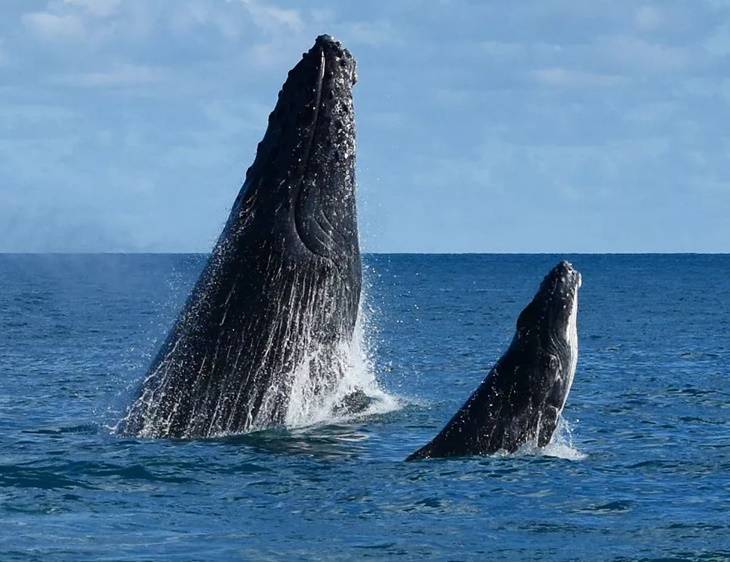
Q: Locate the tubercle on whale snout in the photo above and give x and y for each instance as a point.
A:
(331, 47)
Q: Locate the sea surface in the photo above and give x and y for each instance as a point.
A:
(640, 469)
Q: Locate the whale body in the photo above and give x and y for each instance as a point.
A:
(522, 397)
(274, 309)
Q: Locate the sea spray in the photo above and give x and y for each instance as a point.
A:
(561, 445)
(308, 405)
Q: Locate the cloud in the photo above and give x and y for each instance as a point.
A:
(23, 121)
(567, 78)
(272, 19)
(648, 18)
(53, 27)
(374, 34)
(120, 75)
(98, 8)
(635, 54)
(194, 15)
(718, 43)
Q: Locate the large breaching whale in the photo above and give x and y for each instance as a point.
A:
(523, 395)
(275, 307)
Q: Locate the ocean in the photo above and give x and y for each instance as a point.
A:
(639, 469)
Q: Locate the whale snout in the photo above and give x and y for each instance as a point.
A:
(565, 268)
(339, 60)
(564, 277)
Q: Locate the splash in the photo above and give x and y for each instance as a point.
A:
(561, 445)
(357, 393)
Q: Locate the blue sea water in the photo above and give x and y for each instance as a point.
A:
(643, 473)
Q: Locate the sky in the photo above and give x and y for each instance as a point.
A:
(483, 126)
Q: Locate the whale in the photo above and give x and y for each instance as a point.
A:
(521, 399)
(272, 314)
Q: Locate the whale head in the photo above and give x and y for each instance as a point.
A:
(547, 341)
(547, 318)
(299, 194)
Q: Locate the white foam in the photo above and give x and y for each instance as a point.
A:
(309, 405)
(561, 445)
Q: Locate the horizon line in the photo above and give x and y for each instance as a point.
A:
(552, 253)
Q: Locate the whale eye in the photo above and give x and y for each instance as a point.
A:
(551, 362)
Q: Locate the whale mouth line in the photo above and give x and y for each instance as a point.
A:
(298, 227)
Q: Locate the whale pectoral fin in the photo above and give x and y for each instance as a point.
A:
(548, 423)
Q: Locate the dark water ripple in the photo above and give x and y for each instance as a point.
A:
(647, 476)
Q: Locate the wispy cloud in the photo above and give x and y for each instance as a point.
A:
(272, 19)
(567, 78)
(373, 33)
(634, 54)
(98, 8)
(648, 18)
(119, 75)
(192, 16)
(52, 27)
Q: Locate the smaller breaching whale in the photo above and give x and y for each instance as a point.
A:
(272, 316)
(521, 398)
